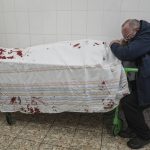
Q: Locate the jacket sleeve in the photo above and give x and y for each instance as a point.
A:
(132, 51)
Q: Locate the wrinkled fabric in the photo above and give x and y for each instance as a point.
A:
(73, 76)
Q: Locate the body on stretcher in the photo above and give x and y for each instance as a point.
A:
(72, 76)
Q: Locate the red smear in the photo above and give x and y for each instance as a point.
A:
(1, 51)
(13, 100)
(11, 57)
(76, 45)
(19, 53)
(2, 57)
(36, 110)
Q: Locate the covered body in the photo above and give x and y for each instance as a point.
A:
(75, 76)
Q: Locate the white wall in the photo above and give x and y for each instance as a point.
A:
(29, 22)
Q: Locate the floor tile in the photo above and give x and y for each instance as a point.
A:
(61, 142)
(64, 131)
(50, 147)
(12, 130)
(2, 118)
(59, 132)
(5, 140)
(85, 139)
(84, 134)
(86, 144)
(59, 136)
(22, 144)
(35, 132)
(44, 146)
(113, 143)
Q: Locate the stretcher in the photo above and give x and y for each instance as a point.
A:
(117, 122)
(71, 76)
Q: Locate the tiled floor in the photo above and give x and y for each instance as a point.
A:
(65, 131)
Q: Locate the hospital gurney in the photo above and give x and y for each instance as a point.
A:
(117, 122)
(73, 76)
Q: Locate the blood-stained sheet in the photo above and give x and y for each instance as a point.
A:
(70, 76)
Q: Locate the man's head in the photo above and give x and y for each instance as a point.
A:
(129, 28)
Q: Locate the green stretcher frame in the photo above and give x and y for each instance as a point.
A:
(117, 122)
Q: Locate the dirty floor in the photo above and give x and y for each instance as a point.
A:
(64, 131)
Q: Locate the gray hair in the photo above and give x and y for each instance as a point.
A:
(133, 23)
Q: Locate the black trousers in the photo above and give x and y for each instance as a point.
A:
(134, 115)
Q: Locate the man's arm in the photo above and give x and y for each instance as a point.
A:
(131, 51)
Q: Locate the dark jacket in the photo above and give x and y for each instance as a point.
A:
(138, 50)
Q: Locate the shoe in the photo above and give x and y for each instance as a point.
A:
(128, 133)
(137, 143)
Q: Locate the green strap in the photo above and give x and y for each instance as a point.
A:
(131, 70)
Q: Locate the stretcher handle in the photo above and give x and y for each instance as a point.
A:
(130, 69)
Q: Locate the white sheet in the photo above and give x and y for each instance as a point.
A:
(76, 76)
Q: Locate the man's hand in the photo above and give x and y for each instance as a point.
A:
(121, 42)
(115, 41)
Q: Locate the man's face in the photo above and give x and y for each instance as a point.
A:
(127, 32)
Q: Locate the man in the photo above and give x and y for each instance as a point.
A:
(136, 47)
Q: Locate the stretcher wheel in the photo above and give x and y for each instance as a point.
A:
(9, 118)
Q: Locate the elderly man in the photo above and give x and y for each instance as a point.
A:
(135, 46)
